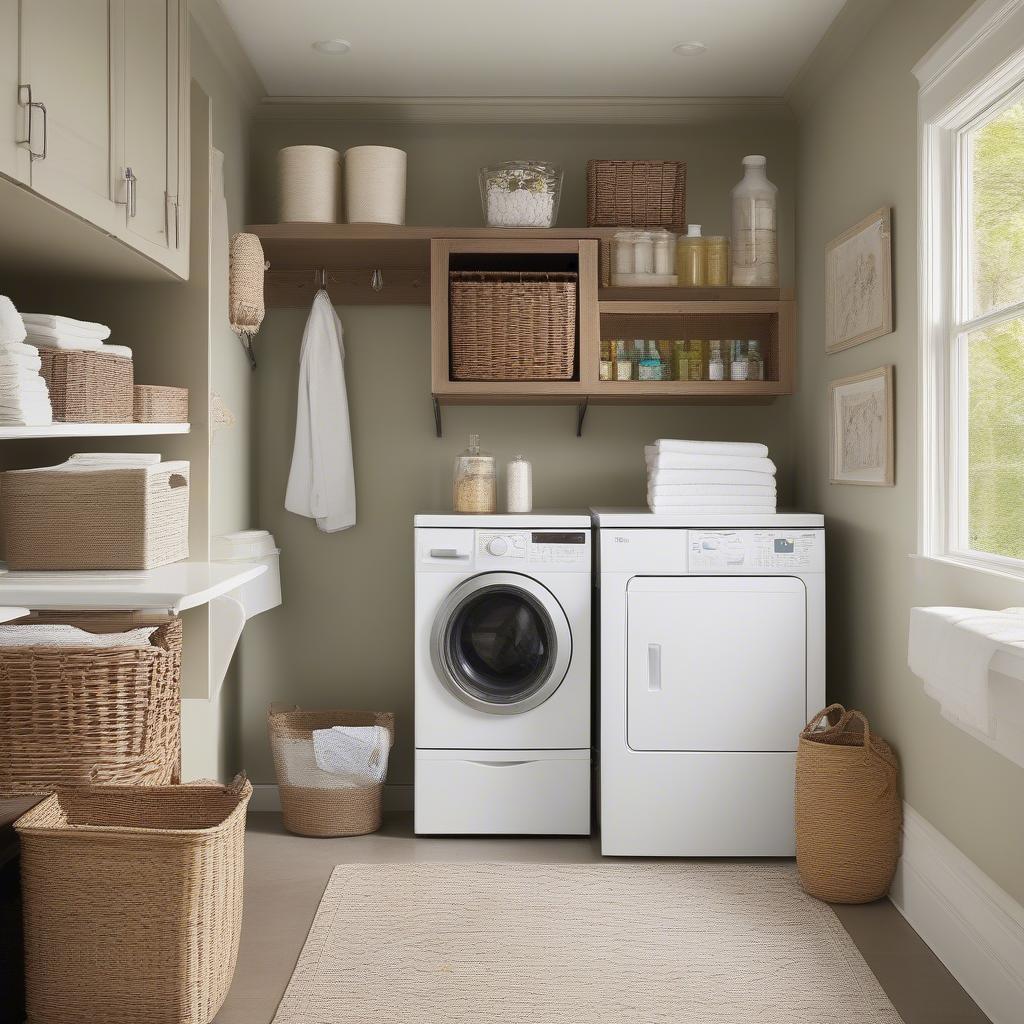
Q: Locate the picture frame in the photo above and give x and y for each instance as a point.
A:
(862, 436)
(858, 283)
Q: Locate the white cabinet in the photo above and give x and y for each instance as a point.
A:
(99, 126)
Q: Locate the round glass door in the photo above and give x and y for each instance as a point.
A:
(501, 643)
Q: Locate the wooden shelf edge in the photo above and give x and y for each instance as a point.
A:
(623, 397)
(13, 432)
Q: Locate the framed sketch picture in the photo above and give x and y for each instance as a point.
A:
(862, 450)
(858, 283)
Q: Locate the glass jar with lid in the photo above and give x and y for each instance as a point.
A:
(475, 482)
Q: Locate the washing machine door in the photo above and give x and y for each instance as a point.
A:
(501, 643)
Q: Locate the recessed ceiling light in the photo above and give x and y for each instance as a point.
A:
(691, 49)
(335, 46)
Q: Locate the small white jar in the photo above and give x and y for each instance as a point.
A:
(519, 485)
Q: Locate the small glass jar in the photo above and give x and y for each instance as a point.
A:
(519, 486)
(643, 252)
(607, 367)
(716, 365)
(475, 480)
(664, 252)
(623, 362)
(623, 248)
(739, 367)
(755, 361)
(716, 261)
(521, 193)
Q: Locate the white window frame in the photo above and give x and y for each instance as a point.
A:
(978, 65)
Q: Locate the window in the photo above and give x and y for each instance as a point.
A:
(972, 295)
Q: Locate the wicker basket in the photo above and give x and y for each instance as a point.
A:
(88, 387)
(100, 519)
(155, 404)
(312, 802)
(133, 902)
(848, 810)
(636, 194)
(73, 716)
(512, 326)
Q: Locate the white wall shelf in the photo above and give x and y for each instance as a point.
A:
(174, 588)
(13, 432)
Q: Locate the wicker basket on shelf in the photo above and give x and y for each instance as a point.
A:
(512, 325)
(636, 194)
(88, 387)
(156, 404)
(132, 902)
(75, 716)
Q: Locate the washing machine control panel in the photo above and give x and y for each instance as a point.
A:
(724, 551)
(536, 548)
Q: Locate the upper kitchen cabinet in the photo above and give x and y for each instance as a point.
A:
(99, 126)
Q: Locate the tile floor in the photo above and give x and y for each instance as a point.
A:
(286, 876)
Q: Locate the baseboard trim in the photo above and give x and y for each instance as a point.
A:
(265, 797)
(973, 926)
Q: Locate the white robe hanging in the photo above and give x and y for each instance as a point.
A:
(321, 484)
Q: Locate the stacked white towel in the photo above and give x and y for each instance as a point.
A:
(24, 398)
(48, 330)
(710, 477)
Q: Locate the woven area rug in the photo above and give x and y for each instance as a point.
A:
(614, 943)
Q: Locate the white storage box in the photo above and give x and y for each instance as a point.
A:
(375, 185)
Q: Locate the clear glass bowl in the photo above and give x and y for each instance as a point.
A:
(520, 194)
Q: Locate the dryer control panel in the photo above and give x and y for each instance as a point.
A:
(775, 551)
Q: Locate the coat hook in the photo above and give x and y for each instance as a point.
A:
(377, 281)
(323, 278)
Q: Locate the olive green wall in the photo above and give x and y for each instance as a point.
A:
(344, 634)
(857, 152)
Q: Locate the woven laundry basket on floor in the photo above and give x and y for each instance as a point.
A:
(71, 716)
(133, 902)
(313, 803)
(848, 810)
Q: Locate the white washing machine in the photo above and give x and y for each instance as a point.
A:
(711, 661)
(502, 669)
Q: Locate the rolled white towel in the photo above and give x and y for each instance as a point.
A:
(744, 449)
(675, 477)
(50, 322)
(12, 326)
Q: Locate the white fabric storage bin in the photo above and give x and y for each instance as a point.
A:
(309, 184)
(375, 185)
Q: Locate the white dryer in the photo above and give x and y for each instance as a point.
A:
(502, 673)
(711, 660)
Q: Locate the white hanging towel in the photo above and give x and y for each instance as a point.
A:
(321, 484)
(357, 754)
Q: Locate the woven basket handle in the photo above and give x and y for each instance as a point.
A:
(865, 729)
(826, 714)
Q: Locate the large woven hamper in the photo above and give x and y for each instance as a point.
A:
(73, 716)
(133, 902)
(848, 809)
(88, 387)
(512, 326)
(636, 194)
(312, 802)
(95, 519)
(157, 404)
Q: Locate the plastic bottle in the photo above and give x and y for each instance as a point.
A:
(716, 261)
(690, 258)
(739, 367)
(716, 367)
(755, 255)
(623, 362)
(519, 485)
(607, 367)
(755, 363)
(695, 357)
(650, 364)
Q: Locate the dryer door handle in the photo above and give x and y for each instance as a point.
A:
(654, 668)
(499, 764)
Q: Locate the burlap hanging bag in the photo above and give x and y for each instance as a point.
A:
(848, 810)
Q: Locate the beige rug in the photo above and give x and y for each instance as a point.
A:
(614, 943)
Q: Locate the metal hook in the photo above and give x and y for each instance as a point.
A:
(377, 281)
(323, 278)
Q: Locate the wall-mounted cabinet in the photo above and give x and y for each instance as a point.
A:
(96, 116)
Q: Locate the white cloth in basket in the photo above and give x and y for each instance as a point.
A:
(41, 635)
(356, 755)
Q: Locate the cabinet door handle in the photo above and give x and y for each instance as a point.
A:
(31, 105)
(654, 668)
(133, 185)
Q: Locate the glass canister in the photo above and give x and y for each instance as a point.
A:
(690, 258)
(716, 261)
(475, 481)
(755, 247)
(521, 194)
(519, 485)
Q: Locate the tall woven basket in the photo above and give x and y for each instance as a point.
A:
(133, 902)
(312, 802)
(848, 810)
(75, 716)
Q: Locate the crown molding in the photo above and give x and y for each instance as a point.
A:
(641, 110)
(217, 30)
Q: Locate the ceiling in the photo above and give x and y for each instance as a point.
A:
(529, 48)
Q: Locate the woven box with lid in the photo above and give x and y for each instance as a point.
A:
(81, 517)
(88, 387)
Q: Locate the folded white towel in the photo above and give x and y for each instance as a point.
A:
(713, 510)
(116, 350)
(21, 365)
(355, 755)
(120, 459)
(694, 500)
(753, 490)
(744, 449)
(66, 325)
(675, 477)
(37, 635)
(18, 350)
(680, 460)
(12, 327)
(950, 649)
(26, 417)
(26, 383)
(64, 342)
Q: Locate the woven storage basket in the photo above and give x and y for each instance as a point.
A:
(100, 519)
(312, 803)
(512, 326)
(72, 716)
(848, 810)
(133, 902)
(636, 194)
(156, 404)
(88, 387)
